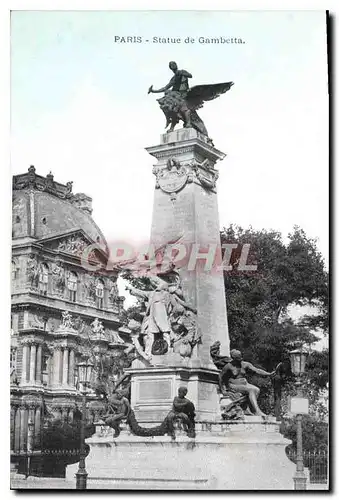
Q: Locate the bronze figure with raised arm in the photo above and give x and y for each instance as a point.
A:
(233, 378)
(181, 102)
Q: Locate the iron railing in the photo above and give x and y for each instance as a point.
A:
(316, 462)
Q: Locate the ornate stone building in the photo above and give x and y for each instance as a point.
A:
(62, 308)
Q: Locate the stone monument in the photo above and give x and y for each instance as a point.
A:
(185, 210)
(184, 319)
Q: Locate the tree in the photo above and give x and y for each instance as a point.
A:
(291, 273)
(314, 433)
(287, 274)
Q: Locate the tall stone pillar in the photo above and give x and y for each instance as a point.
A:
(65, 367)
(25, 353)
(32, 365)
(185, 210)
(185, 215)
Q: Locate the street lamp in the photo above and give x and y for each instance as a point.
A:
(84, 374)
(299, 406)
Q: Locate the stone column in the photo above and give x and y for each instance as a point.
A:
(32, 365)
(25, 352)
(38, 364)
(50, 370)
(13, 412)
(71, 368)
(56, 365)
(65, 367)
(23, 428)
(37, 426)
(17, 429)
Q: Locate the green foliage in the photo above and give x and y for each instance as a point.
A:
(288, 273)
(314, 433)
(60, 435)
(317, 368)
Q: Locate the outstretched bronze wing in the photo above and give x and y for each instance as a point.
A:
(197, 95)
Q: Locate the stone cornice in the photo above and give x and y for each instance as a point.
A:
(55, 304)
(187, 146)
(63, 344)
(30, 340)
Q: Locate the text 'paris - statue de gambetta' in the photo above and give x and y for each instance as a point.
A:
(181, 102)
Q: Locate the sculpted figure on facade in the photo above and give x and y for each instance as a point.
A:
(97, 328)
(113, 292)
(67, 321)
(58, 275)
(74, 245)
(90, 287)
(32, 270)
(69, 188)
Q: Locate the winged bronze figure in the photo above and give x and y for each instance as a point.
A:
(181, 102)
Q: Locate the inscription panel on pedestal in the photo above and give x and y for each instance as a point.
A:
(206, 395)
(155, 389)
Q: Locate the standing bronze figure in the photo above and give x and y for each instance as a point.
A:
(181, 103)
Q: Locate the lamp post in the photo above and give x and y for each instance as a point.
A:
(299, 406)
(85, 371)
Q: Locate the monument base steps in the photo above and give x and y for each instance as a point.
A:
(223, 456)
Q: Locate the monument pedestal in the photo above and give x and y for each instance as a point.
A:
(153, 390)
(248, 455)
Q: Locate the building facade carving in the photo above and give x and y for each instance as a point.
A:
(56, 303)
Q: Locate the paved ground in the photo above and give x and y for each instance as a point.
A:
(42, 483)
(317, 486)
(62, 484)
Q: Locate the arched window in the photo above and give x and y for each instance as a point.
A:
(43, 279)
(72, 285)
(99, 292)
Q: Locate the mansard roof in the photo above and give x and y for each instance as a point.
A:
(43, 208)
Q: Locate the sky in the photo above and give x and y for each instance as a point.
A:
(79, 108)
